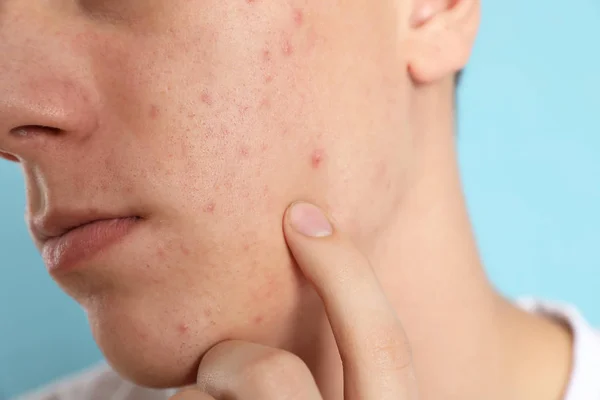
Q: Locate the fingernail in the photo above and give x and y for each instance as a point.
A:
(310, 221)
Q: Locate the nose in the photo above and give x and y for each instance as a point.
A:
(44, 100)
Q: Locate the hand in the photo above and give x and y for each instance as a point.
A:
(374, 349)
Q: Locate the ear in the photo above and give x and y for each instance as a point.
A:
(442, 33)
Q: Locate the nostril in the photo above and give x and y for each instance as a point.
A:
(27, 130)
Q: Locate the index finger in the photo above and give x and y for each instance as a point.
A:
(373, 346)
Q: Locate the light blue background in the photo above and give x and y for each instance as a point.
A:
(530, 153)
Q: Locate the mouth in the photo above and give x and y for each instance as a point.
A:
(68, 243)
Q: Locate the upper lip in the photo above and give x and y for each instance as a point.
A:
(55, 224)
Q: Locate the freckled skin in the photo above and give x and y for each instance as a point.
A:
(206, 127)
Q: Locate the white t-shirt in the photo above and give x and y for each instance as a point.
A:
(101, 383)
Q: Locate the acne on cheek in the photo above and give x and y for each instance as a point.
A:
(183, 328)
(317, 158)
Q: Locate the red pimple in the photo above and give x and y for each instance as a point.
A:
(244, 151)
(183, 328)
(298, 17)
(266, 55)
(154, 111)
(209, 208)
(265, 103)
(206, 98)
(185, 250)
(317, 158)
(258, 320)
(268, 78)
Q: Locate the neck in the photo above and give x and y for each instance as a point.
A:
(468, 342)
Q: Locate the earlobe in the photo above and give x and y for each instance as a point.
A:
(442, 35)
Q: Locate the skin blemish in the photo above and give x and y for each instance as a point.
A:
(266, 55)
(207, 312)
(381, 172)
(244, 151)
(258, 320)
(264, 147)
(268, 78)
(317, 157)
(265, 103)
(209, 208)
(298, 17)
(154, 111)
(206, 99)
(287, 48)
(184, 250)
(183, 328)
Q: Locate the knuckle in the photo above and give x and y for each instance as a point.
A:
(391, 352)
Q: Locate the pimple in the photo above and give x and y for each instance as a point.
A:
(298, 17)
(268, 78)
(258, 320)
(209, 208)
(207, 312)
(206, 98)
(264, 147)
(287, 48)
(265, 103)
(246, 247)
(266, 55)
(154, 111)
(161, 253)
(317, 157)
(185, 250)
(381, 172)
(183, 328)
(244, 151)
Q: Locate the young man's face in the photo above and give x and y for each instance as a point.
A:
(205, 119)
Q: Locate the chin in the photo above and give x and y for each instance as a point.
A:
(158, 342)
(153, 352)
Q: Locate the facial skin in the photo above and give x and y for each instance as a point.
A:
(207, 119)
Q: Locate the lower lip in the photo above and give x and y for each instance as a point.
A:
(66, 251)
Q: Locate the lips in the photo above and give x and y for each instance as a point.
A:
(67, 240)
